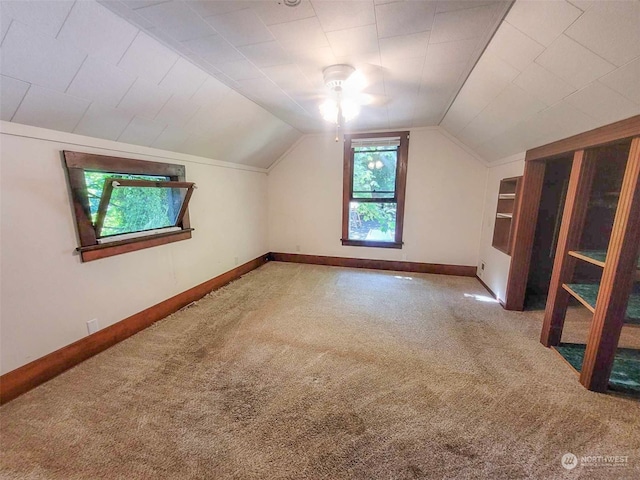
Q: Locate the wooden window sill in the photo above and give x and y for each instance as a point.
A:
(96, 252)
(368, 243)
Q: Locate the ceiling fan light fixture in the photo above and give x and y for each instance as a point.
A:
(336, 75)
(292, 3)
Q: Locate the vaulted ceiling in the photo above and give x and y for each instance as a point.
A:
(552, 70)
(241, 81)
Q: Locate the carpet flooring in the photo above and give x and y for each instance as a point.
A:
(311, 372)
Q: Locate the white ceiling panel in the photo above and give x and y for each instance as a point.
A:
(214, 49)
(103, 122)
(403, 46)
(12, 92)
(603, 104)
(402, 18)
(123, 10)
(144, 99)
(354, 41)
(452, 52)
(272, 13)
(266, 54)
(340, 15)
(210, 93)
(625, 80)
(148, 59)
(507, 109)
(450, 5)
(207, 8)
(177, 20)
(177, 111)
(98, 31)
(573, 63)
(101, 82)
(46, 16)
(34, 58)
(300, 35)
(172, 138)
(184, 78)
(5, 23)
(290, 78)
(514, 47)
(135, 4)
(461, 24)
(42, 107)
(242, 27)
(543, 84)
(610, 29)
(240, 70)
(543, 21)
(142, 131)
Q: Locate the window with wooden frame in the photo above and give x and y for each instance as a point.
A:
(374, 183)
(122, 205)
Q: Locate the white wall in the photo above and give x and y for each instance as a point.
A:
(443, 210)
(497, 263)
(48, 295)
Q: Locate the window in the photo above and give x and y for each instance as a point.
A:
(122, 205)
(375, 176)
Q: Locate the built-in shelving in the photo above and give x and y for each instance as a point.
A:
(596, 257)
(587, 294)
(504, 220)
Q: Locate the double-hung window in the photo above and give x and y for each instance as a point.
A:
(121, 205)
(375, 177)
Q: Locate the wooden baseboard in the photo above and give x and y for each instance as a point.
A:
(413, 267)
(487, 288)
(23, 379)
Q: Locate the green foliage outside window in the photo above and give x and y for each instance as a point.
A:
(133, 209)
(374, 176)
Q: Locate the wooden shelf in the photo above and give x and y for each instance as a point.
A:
(587, 294)
(597, 257)
(505, 211)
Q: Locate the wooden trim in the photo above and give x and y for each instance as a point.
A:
(613, 132)
(370, 243)
(23, 379)
(526, 213)
(400, 192)
(617, 280)
(104, 163)
(413, 267)
(573, 218)
(487, 288)
(76, 164)
(104, 250)
(349, 136)
(347, 185)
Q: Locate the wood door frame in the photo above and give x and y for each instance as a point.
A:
(528, 206)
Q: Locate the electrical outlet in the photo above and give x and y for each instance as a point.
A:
(92, 326)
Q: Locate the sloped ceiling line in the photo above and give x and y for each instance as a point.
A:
(78, 67)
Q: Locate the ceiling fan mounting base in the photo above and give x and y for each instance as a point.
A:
(336, 75)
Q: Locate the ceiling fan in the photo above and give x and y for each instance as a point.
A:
(346, 96)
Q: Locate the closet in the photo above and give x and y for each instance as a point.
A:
(596, 264)
(597, 258)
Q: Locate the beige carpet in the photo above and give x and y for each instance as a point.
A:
(309, 372)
